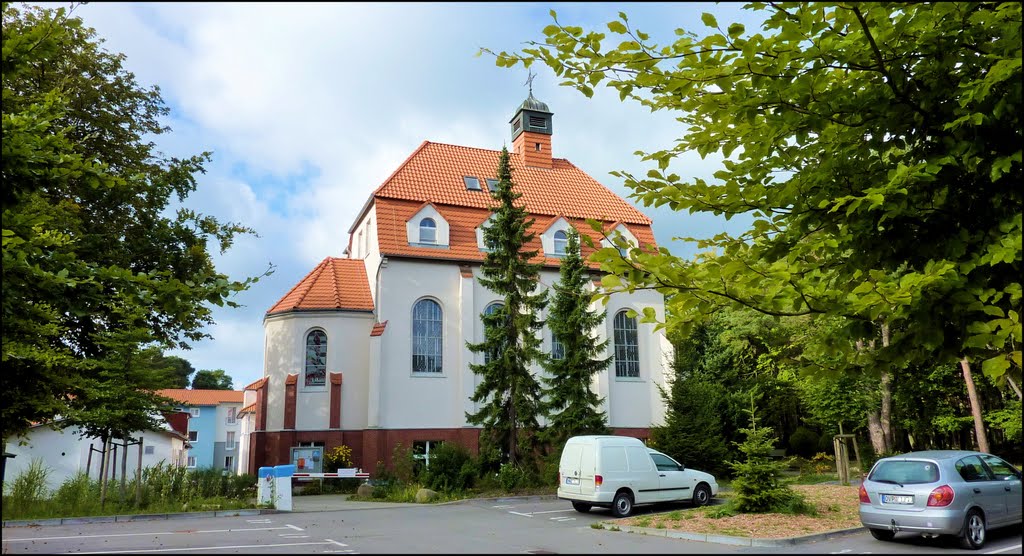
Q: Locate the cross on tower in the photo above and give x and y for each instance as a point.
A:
(529, 80)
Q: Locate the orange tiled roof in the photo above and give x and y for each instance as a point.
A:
(392, 215)
(333, 284)
(434, 172)
(378, 328)
(256, 384)
(251, 408)
(202, 397)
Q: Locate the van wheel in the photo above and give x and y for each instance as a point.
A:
(973, 535)
(581, 507)
(702, 495)
(622, 506)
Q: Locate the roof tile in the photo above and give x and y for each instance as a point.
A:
(202, 397)
(334, 284)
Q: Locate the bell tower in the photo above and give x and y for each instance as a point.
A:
(531, 131)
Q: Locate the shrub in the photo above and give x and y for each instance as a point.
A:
(451, 469)
(404, 463)
(823, 463)
(511, 476)
(338, 457)
(803, 441)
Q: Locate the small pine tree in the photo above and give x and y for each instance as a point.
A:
(509, 393)
(570, 404)
(758, 483)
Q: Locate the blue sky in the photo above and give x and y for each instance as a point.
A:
(307, 108)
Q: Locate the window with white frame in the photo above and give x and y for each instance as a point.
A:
(229, 462)
(428, 231)
(627, 350)
(232, 415)
(193, 436)
(316, 358)
(229, 442)
(490, 310)
(421, 450)
(191, 461)
(561, 240)
(557, 348)
(193, 411)
(427, 337)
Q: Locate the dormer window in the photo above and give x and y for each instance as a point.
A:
(561, 240)
(472, 183)
(492, 184)
(428, 231)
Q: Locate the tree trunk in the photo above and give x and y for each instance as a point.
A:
(1015, 387)
(885, 413)
(972, 394)
(875, 433)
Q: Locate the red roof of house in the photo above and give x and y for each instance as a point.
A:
(333, 284)
(378, 328)
(202, 397)
(256, 384)
(251, 408)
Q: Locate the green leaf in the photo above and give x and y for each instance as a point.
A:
(709, 20)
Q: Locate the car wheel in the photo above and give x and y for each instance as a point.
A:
(581, 507)
(702, 495)
(882, 534)
(973, 535)
(622, 506)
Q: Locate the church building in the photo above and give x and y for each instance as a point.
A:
(369, 349)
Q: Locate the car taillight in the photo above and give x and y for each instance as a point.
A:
(598, 480)
(864, 495)
(942, 496)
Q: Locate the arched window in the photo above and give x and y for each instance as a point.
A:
(627, 351)
(490, 310)
(560, 242)
(557, 349)
(426, 336)
(316, 358)
(428, 231)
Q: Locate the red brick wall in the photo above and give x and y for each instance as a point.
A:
(525, 146)
(335, 422)
(290, 385)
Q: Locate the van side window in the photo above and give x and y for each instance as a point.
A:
(638, 458)
(613, 458)
(664, 463)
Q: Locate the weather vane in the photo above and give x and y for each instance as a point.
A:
(529, 80)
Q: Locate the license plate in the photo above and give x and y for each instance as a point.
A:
(572, 481)
(897, 499)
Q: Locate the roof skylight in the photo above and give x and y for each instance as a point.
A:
(472, 183)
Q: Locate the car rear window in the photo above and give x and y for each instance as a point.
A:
(905, 472)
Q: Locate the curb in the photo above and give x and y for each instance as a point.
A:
(131, 517)
(726, 539)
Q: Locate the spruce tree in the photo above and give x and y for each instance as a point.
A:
(570, 404)
(509, 394)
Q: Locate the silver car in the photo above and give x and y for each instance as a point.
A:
(941, 492)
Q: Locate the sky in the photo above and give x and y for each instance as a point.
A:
(309, 107)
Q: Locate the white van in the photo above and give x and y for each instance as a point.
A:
(620, 472)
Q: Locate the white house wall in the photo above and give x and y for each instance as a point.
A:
(348, 335)
(411, 402)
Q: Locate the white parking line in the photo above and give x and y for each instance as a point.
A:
(1007, 549)
(561, 519)
(503, 506)
(524, 515)
(152, 533)
(203, 548)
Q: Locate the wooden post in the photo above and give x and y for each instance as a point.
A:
(138, 476)
(842, 459)
(88, 461)
(124, 469)
(104, 468)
